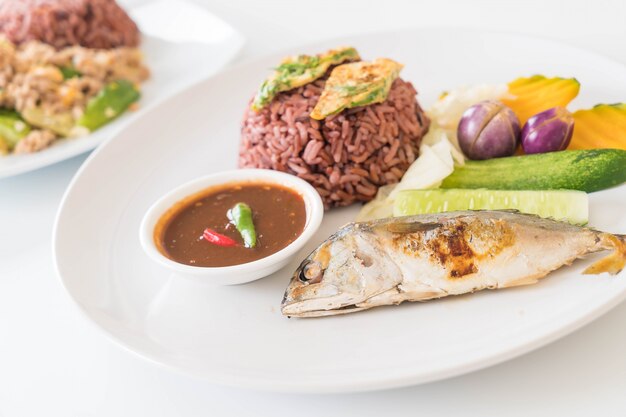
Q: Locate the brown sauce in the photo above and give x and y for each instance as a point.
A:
(278, 213)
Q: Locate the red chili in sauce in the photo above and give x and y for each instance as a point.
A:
(278, 213)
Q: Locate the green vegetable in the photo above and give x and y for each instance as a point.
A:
(299, 70)
(60, 123)
(12, 130)
(4, 146)
(69, 72)
(241, 216)
(566, 205)
(112, 101)
(583, 170)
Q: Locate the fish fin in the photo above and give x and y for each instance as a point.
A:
(410, 227)
(325, 313)
(527, 280)
(613, 263)
(401, 293)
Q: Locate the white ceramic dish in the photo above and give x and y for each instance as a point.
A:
(176, 58)
(236, 274)
(235, 334)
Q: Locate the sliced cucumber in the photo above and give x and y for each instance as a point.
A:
(59, 123)
(565, 205)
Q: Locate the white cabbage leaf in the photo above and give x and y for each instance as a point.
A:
(439, 151)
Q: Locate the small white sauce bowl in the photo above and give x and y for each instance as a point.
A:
(236, 274)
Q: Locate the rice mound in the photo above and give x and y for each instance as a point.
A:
(346, 157)
(101, 24)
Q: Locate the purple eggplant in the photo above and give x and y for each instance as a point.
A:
(548, 131)
(487, 130)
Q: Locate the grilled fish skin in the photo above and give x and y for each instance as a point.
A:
(418, 258)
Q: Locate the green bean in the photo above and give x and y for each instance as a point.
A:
(110, 102)
(12, 129)
(241, 216)
(69, 72)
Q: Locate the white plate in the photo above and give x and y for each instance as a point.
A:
(191, 45)
(236, 335)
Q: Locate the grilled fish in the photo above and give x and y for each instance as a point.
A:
(419, 258)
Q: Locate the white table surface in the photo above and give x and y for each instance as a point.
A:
(53, 362)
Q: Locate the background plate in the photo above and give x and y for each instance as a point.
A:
(177, 54)
(236, 335)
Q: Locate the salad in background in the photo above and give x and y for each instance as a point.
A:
(66, 69)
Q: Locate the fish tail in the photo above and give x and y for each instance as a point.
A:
(613, 263)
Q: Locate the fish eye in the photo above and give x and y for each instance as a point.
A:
(311, 273)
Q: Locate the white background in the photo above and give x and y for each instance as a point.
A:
(55, 363)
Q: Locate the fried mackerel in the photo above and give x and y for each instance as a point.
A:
(419, 258)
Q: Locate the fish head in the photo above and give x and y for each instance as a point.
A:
(347, 269)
